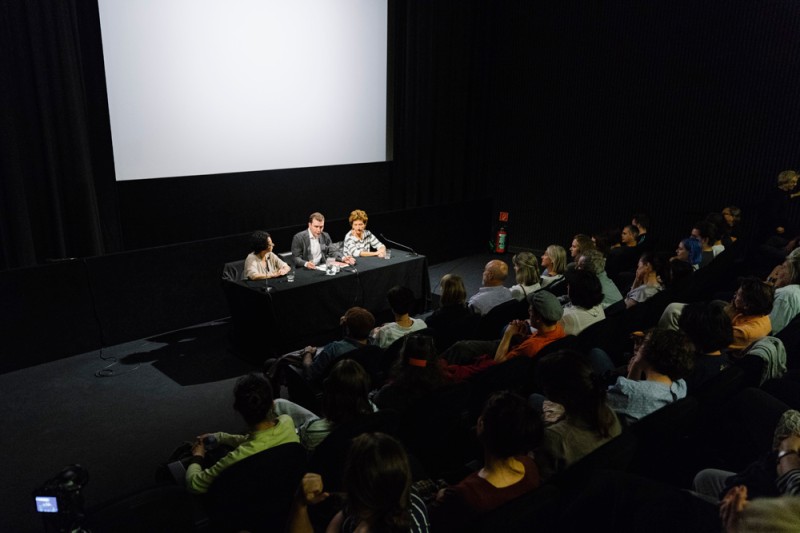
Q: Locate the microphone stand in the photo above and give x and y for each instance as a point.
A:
(403, 246)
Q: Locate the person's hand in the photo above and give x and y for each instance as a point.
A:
(732, 506)
(780, 230)
(311, 265)
(635, 366)
(350, 260)
(311, 489)
(382, 252)
(284, 270)
(308, 355)
(518, 327)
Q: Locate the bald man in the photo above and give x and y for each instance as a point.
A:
(493, 292)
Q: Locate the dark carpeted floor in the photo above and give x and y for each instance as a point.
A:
(121, 411)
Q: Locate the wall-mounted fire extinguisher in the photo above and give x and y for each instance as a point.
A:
(500, 240)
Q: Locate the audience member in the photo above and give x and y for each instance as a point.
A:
(706, 233)
(655, 377)
(593, 261)
(452, 321)
(778, 226)
(544, 315)
(647, 282)
(586, 302)
(690, 251)
(357, 322)
(554, 264)
(623, 257)
(508, 429)
(401, 301)
(718, 221)
(772, 474)
(733, 221)
(786, 305)
(492, 293)
(674, 271)
(344, 398)
(580, 243)
(644, 242)
(709, 328)
(378, 494)
(415, 376)
(261, 262)
(749, 311)
(567, 379)
(253, 400)
(526, 271)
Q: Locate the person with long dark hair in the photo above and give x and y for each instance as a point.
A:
(567, 379)
(378, 494)
(647, 282)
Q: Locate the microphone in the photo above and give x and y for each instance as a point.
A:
(403, 246)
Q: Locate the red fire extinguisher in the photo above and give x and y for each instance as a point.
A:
(500, 241)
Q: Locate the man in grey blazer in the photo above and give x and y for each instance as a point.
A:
(313, 246)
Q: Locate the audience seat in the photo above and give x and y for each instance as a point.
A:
(662, 436)
(491, 324)
(515, 375)
(256, 493)
(436, 431)
(616, 454)
(536, 511)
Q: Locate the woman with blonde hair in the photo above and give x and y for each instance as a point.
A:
(527, 275)
(359, 241)
(554, 264)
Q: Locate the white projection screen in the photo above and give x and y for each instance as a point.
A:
(200, 87)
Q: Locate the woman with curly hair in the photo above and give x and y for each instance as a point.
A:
(359, 241)
(749, 311)
(655, 377)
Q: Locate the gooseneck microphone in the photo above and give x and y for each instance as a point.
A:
(399, 245)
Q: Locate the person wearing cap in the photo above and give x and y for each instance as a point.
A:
(544, 312)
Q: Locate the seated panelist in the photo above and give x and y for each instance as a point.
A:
(359, 241)
(313, 246)
(261, 262)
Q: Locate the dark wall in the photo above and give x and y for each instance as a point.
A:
(676, 108)
(164, 211)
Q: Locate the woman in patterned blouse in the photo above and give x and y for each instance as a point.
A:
(359, 241)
